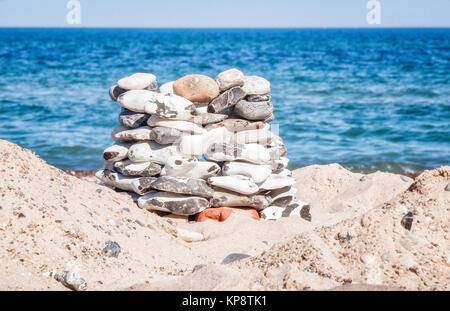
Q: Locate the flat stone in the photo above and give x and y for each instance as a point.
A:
(116, 180)
(166, 135)
(196, 88)
(116, 152)
(184, 167)
(237, 183)
(149, 102)
(222, 152)
(406, 178)
(166, 88)
(196, 145)
(208, 118)
(277, 182)
(260, 136)
(132, 119)
(143, 185)
(139, 81)
(277, 152)
(224, 198)
(238, 125)
(229, 78)
(177, 204)
(258, 173)
(234, 257)
(183, 185)
(269, 118)
(283, 196)
(183, 126)
(126, 134)
(115, 91)
(144, 169)
(254, 85)
(253, 110)
(258, 98)
(226, 100)
(151, 152)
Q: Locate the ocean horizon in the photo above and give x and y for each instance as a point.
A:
(369, 99)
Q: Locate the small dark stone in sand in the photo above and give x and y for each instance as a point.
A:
(447, 188)
(305, 212)
(99, 190)
(112, 249)
(407, 220)
(234, 257)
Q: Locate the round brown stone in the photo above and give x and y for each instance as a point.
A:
(196, 88)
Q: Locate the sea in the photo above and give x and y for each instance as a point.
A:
(369, 99)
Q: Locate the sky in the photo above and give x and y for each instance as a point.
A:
(224, 13)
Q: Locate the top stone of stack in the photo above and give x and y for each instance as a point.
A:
(199, 143)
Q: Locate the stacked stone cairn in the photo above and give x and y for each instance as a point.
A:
(200, 143)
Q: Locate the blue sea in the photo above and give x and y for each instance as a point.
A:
(369, 99)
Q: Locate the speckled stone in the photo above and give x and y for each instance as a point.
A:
(175, 203)
(183, 185)
(253, 110)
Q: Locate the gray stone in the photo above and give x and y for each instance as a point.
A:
(258, 98)
(226, 100)
(152, 152)
(407, 220)
(447, 188)
(224, 198)
(254, 85)
(166, 135)
(177, 204)
(238, 125)
(143, 185)
(230, 78)
(183, 185)
(115, 91)
(253, 153)
(181, 125)
(208, 118)
(144, 169)
(71, 281)
(234, 257)
(112, 249)
(139, 81)
(132, 119)
(253, 110)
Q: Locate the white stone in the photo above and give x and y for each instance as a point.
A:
(179, 165)
(237, 183)
(168, 106)
(277, 182)
(166, 88)
(116, 180)
(252, 153)
(272, 213)
(151, 151)
(262, 137)
(254, 85)
(138, 81)
(126, 134)
(237, 125)
(258, 173)
(116, 152)
(230, 78)
(180, 125)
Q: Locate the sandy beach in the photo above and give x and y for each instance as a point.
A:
(51, 221)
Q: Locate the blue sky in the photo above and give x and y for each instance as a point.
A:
(225, 13)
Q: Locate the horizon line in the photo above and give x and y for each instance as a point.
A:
(219, 27)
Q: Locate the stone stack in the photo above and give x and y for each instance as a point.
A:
(200, 143)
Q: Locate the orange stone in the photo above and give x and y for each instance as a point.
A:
(218, 214)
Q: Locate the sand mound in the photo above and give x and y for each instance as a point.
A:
(51, 221)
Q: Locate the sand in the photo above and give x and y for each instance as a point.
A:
(53, 221)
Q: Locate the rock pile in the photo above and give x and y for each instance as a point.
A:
(200, 143)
